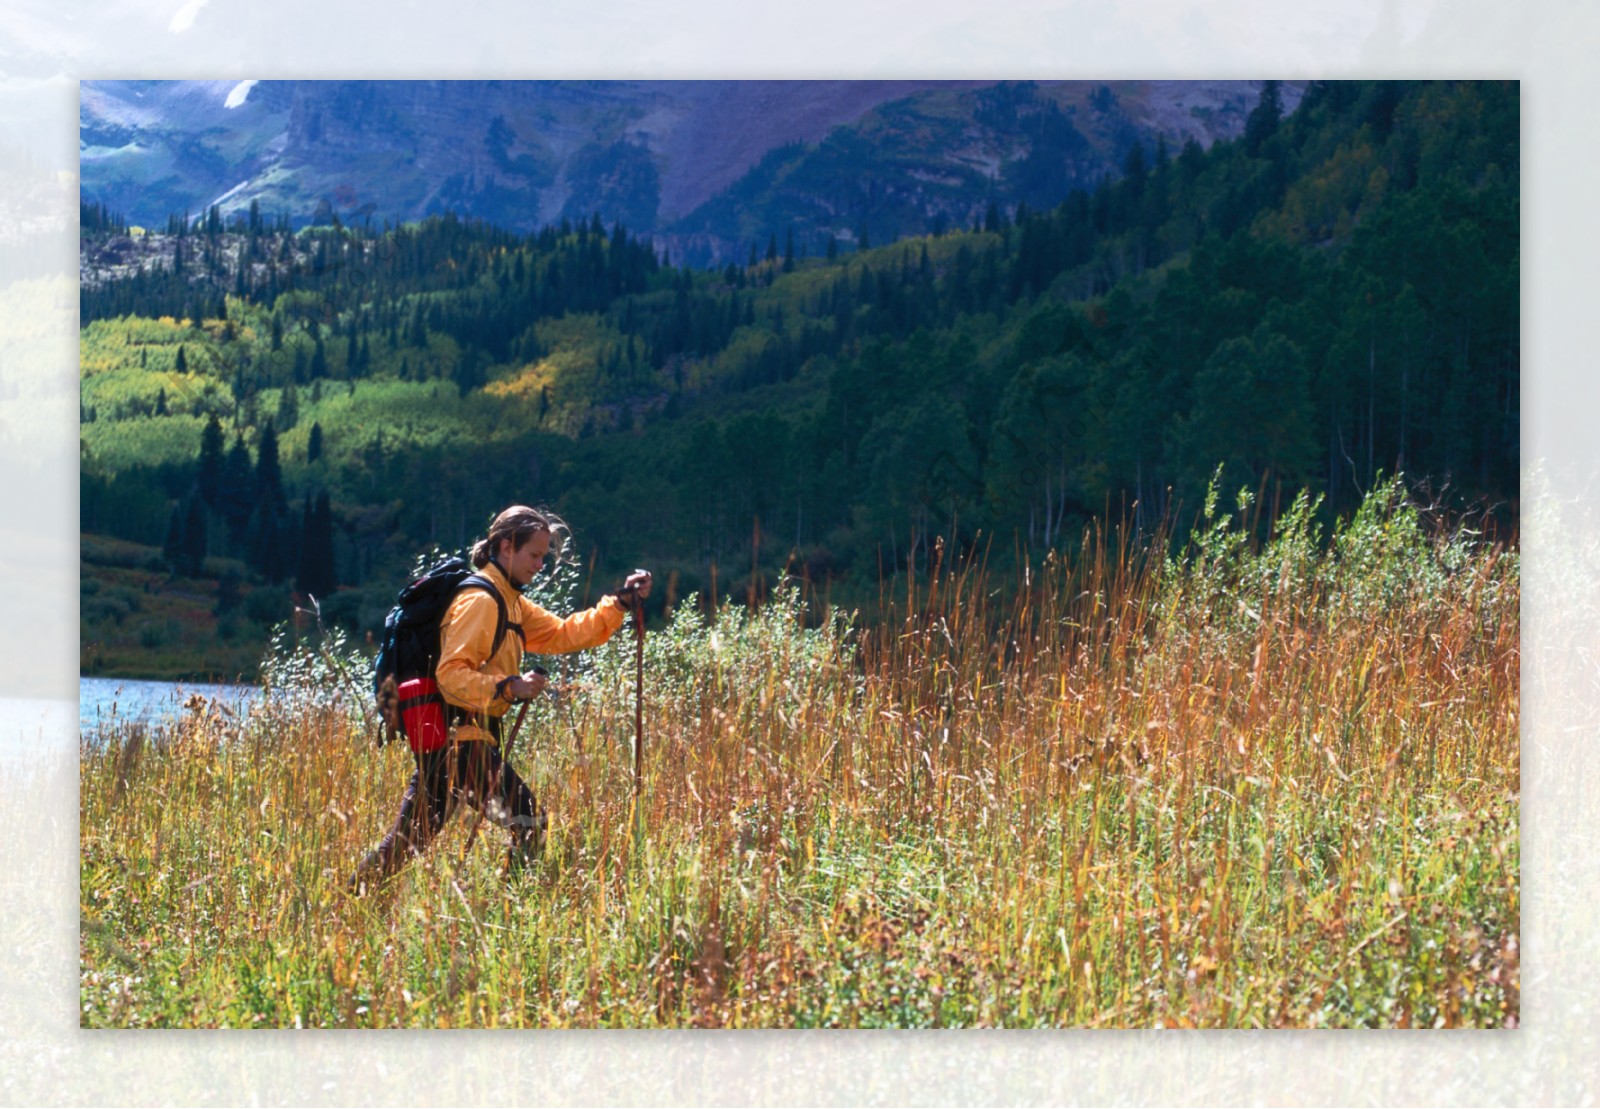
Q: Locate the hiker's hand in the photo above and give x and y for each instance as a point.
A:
(635, 587)
(526, 687)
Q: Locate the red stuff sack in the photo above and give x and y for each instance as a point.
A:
(422, 709)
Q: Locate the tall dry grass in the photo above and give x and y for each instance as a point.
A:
(1250, 784)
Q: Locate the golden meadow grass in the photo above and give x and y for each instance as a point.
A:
(1252, 785)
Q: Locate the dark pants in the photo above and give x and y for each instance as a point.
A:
(472, 772)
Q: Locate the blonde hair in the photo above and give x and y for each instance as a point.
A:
(519, 523)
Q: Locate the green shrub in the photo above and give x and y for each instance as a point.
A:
(159, 633)
(268, 604)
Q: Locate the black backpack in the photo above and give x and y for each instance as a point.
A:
(410, 646)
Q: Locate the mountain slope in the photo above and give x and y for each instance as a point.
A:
(690, 162)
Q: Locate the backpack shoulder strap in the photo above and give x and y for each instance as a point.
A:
(501, 620)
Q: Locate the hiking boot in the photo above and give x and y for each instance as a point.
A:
(369, 874)
(527, 848)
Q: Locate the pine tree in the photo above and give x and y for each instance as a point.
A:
(469, 372)
(1263, 121)
(288, 408)
(303, 575)
(327, 575)
(314, 444)
(317, 575)
(238, 491)
(269, 475)
(208, 472)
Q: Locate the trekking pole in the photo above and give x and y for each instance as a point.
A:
(638, 701)
(494, 785)
(516, 725)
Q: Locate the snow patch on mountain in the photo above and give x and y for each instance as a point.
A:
(238, 94)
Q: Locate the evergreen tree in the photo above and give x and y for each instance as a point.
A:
(1191, 160)
(269, 475)
(1134, 169)
(237, 494)
(314, 444)
(469, 372)
(302, 574)
(288, 414)
(266, 542)
(208, 468)
(317, 576)
(327, 575)
(319, 361)
(1263, 122)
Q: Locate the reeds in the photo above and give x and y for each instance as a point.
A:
(1249, 784)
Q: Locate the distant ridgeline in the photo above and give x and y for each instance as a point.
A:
(1330, 297)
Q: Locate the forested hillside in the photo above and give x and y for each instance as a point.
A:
(1331, 297)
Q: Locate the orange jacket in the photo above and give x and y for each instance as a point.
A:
(468, 673)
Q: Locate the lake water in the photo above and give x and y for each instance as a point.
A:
(127, 699)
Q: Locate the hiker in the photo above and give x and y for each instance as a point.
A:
(480, 681)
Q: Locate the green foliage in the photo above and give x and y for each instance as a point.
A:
(769, 648)
(1330, 298)
(1389, 559)
(312, 667)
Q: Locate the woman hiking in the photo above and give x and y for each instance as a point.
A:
(480, 679)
